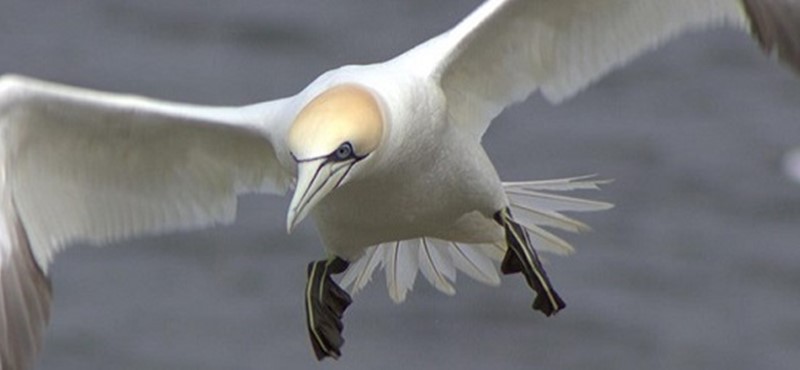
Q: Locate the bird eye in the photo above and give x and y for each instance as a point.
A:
(344, 151)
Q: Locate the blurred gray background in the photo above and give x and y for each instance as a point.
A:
(698, 266)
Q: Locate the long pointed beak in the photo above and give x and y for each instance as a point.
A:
(315, 179)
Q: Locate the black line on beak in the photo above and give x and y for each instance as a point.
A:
(324, 182)
(308, 159)
(316, 173)
(350, 167)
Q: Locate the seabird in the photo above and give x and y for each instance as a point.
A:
(386, 157)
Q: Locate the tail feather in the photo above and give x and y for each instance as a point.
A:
(544, 240)
(401, 268)
(438, 260)
(437, 266)
(552, 202)
(587, 182)
(360, 272)
(472, 260)
(529, 194)
(529, 215)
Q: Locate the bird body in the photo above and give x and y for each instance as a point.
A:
(426, 175)
(386, 157)
(415, 204)
(420, 188)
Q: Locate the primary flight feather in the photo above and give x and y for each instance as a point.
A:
(385, 157)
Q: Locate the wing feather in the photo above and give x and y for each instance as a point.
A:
(98, 167)
(776, 24)
(79, 165)
(507, 49)
(25, 293)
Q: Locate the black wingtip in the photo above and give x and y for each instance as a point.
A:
(776, 26)
(25, 299)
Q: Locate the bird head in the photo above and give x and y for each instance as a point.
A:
(330, 136)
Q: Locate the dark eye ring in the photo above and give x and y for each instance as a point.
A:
(343, 152)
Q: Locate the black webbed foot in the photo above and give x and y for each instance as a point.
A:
(521, 257)
(325, 305)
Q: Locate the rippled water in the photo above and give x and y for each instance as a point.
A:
(698, 266)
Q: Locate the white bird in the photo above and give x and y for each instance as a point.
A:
(386, 158)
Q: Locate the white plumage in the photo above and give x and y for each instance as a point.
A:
(532, 207)
(385, 157)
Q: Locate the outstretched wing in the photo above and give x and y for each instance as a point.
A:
(507, 49)
(78, 165)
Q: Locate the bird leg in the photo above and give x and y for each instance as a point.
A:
(521, 257)
(325, 305)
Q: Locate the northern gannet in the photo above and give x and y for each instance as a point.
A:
(405, 135)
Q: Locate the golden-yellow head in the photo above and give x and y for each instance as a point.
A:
(330, 135)
(341, 114)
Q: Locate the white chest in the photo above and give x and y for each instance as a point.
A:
(424, 197)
